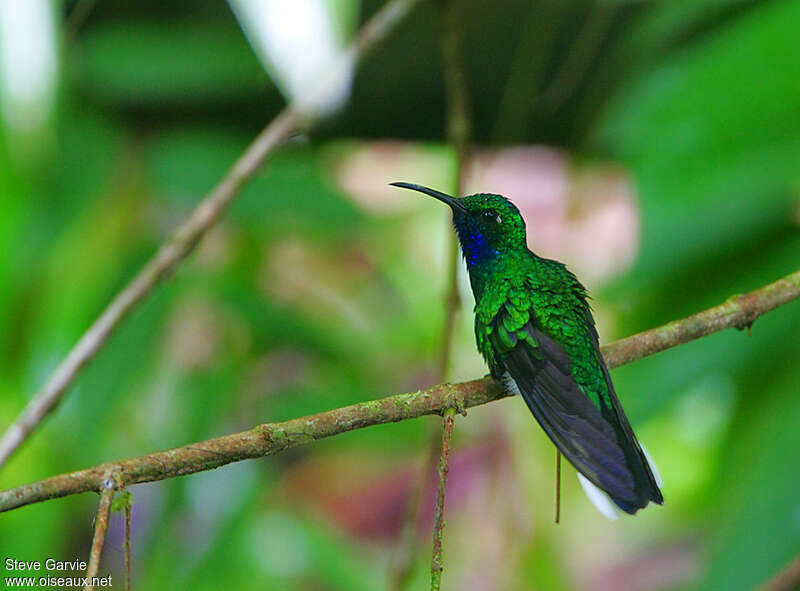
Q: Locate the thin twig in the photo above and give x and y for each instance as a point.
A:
(579, 58)
(521, 91)
(788, 579)
(437, 564)
(75, 20)
(271, 438)
(100, 527)
(124, 502)
(407, 542)
(452, 304)
(558, 486)
(181, 243)
(458, 135)
(128, 547)
(459, 131)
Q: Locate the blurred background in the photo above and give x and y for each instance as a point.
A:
(653, 146)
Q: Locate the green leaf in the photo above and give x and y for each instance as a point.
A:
(713, 137)
(758, 514)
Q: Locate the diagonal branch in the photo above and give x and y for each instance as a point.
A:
(181, 243)
(270, 438)
(738, 311)
(787, 579)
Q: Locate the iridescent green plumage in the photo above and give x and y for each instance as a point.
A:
(534, 327)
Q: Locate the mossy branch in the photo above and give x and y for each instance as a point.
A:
(271, 438)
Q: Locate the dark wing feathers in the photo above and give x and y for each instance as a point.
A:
(637, 461)
(599, 444)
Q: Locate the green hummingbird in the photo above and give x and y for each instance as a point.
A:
(534, 328)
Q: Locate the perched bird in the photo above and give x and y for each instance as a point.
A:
(534, 327)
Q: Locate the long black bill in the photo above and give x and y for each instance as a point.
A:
(453, 202)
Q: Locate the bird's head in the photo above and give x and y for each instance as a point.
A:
(488, 225)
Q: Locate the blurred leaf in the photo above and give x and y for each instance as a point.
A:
(70, 295)
(84, 162)
(758, 508)
(667, 21)
(290, 195)
(14, 216)
(713, 137)
(303, 48)
(150, 62)
(108, 384)
(539, 566)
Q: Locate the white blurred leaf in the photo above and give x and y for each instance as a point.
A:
(302, 45)
(28, 63)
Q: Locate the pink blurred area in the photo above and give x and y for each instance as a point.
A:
(369, 500)
(583, 213)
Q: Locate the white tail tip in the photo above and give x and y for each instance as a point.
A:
(598, 498)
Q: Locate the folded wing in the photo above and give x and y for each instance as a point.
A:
(596, 439)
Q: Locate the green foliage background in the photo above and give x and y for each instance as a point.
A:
(698, 100)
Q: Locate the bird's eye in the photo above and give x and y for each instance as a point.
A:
(491, 214)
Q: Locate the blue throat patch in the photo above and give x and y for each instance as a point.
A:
(474, 245)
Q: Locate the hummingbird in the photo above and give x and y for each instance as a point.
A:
(535, 329)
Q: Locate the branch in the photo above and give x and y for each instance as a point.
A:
(738, 311)
(181, 243)
(271, 438)
(788, 579)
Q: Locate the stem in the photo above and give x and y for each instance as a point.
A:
(128, 509)
(452, 304)
(270, 438)
(459, 128)
(75, 20)
(182, 241)
(401, 569)
(579, 58)
(100, 527)
(437, 565)
(558, 486)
